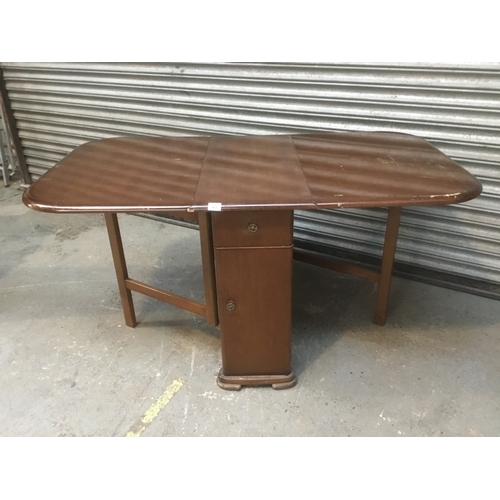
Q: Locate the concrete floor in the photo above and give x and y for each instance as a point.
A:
(70, 367)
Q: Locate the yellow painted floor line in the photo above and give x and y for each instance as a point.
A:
(152, 412)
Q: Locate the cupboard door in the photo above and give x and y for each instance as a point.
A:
(254, 296)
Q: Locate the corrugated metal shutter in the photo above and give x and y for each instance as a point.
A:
(455, 107)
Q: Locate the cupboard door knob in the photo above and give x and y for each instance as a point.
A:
(252, 227)
(230, 306)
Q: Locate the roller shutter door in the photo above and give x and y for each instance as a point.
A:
(456, 107)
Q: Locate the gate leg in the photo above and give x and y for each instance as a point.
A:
(115, 241)
(384, 282)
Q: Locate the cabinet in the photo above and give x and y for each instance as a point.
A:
(253, 266)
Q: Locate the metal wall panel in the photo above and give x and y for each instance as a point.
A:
(456, 107)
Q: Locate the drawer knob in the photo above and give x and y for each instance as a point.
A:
(252, 227)
(230, 306)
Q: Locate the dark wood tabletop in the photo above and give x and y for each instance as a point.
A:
(306, 171)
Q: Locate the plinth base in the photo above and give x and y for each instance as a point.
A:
(235, 382)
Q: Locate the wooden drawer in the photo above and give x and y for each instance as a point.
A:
(253, 229)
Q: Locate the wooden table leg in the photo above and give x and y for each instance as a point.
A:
(384, 282)
(115, 241)
(208, 264)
